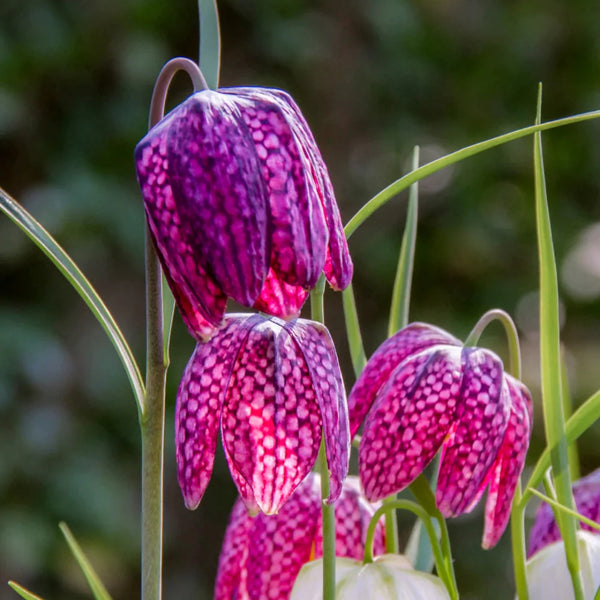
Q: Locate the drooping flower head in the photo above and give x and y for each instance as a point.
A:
(240, 205)
(261, 555)
(422, 390)
(390, 576)
(274, 388)
(586, 492)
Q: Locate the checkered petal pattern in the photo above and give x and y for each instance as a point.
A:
(261, 556)
(422, 391)
(239, 204)
(274, 388)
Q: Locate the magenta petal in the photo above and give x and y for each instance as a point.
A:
(299, 234)
(338, 264)
(316, 345)
(280, 544)
(481, 421)
(219, 190)
(509, 463)
(409, 340)
(198, 408)
(199, 298)
(232, 573)
(409, 420)
(279, 298)
(271, 423)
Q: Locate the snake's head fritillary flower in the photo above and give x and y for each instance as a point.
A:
(586, 492)
(422, 390)
(548, 575)
(275, 389)
(390, 576)
(261, 556)
(240, 205)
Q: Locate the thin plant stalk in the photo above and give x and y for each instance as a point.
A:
(550, 363)
(327, 510)
(152, 421)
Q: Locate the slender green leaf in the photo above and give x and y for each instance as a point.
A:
(93, 580)
(83, 287)
(168, 313)
(444, 161)
(550, 362)
(564, 509)
(23, 592)
(353, 335)
(210, 42)
(403, 282)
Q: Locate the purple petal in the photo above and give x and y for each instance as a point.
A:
(280, 299)
(299, 233)
(219, 190)
(271, 422)
(199, 298)
(232, 573)
(586, 492)
(280, 544)
(509, 463)
(338, 264)
(199, 399)
(481, 420)
(411, 339)
(316, 345)
(409, 420)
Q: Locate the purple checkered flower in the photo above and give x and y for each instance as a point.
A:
(423, 390)
(586, 492)
(262, 555)
(240, 205)
(274, 388)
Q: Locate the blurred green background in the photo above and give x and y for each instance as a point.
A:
(374, 79)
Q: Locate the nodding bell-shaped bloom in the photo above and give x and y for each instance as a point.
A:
(274, 389)
(390, 576)
(586, 492)
(240, 205)
(261, 555)
(422, 390)
(548, 575)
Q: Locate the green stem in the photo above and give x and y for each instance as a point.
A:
(327, 510)
(152, 421)
(512, 337)
(152, 425)
(353, 335)
(517, 531)
(421, 513)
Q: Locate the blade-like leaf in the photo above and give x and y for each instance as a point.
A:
(65, 264)
(93, 580)
(404, 271)
(449, 159)
(353, 335)
(550, 362)
(564, 509)
(210, 42)
(23, 592)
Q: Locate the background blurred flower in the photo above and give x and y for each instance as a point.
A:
(261, 555)
(424, 391)
(240, 205)
(586, 492)
(548, 575)
(275, 388)
(389, 576)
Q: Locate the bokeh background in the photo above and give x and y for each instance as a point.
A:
(374, 79)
